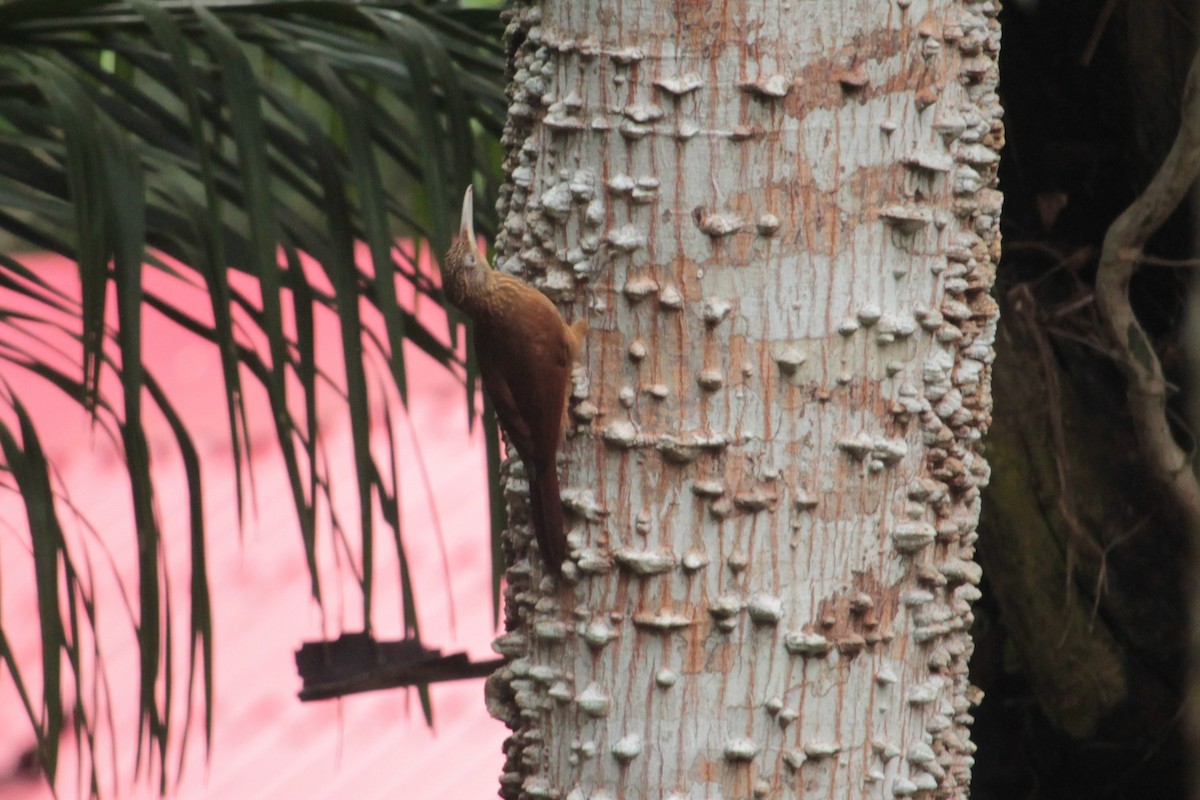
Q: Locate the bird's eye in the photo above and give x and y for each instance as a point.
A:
(469, 260)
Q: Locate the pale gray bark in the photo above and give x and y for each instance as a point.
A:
(780, 220)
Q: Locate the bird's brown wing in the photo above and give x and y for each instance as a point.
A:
(496, 382)
(522, 379)
(529, 347)
(538, 373)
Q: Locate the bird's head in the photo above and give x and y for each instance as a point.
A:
(465, 267)
(464, 254)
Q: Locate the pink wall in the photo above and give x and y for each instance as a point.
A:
(266, 744)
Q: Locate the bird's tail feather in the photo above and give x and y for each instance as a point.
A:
(545, 506)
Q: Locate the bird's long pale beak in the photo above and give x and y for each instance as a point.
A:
(467, 228)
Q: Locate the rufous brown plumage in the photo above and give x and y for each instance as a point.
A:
(525, 351)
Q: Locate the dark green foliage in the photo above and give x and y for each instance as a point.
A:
(230, 137)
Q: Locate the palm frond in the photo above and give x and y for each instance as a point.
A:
(220, 142)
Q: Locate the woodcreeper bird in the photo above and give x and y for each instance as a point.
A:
(525, 351)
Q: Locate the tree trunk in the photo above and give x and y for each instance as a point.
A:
(780, 221)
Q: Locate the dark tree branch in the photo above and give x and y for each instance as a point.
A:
(1169, 464)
